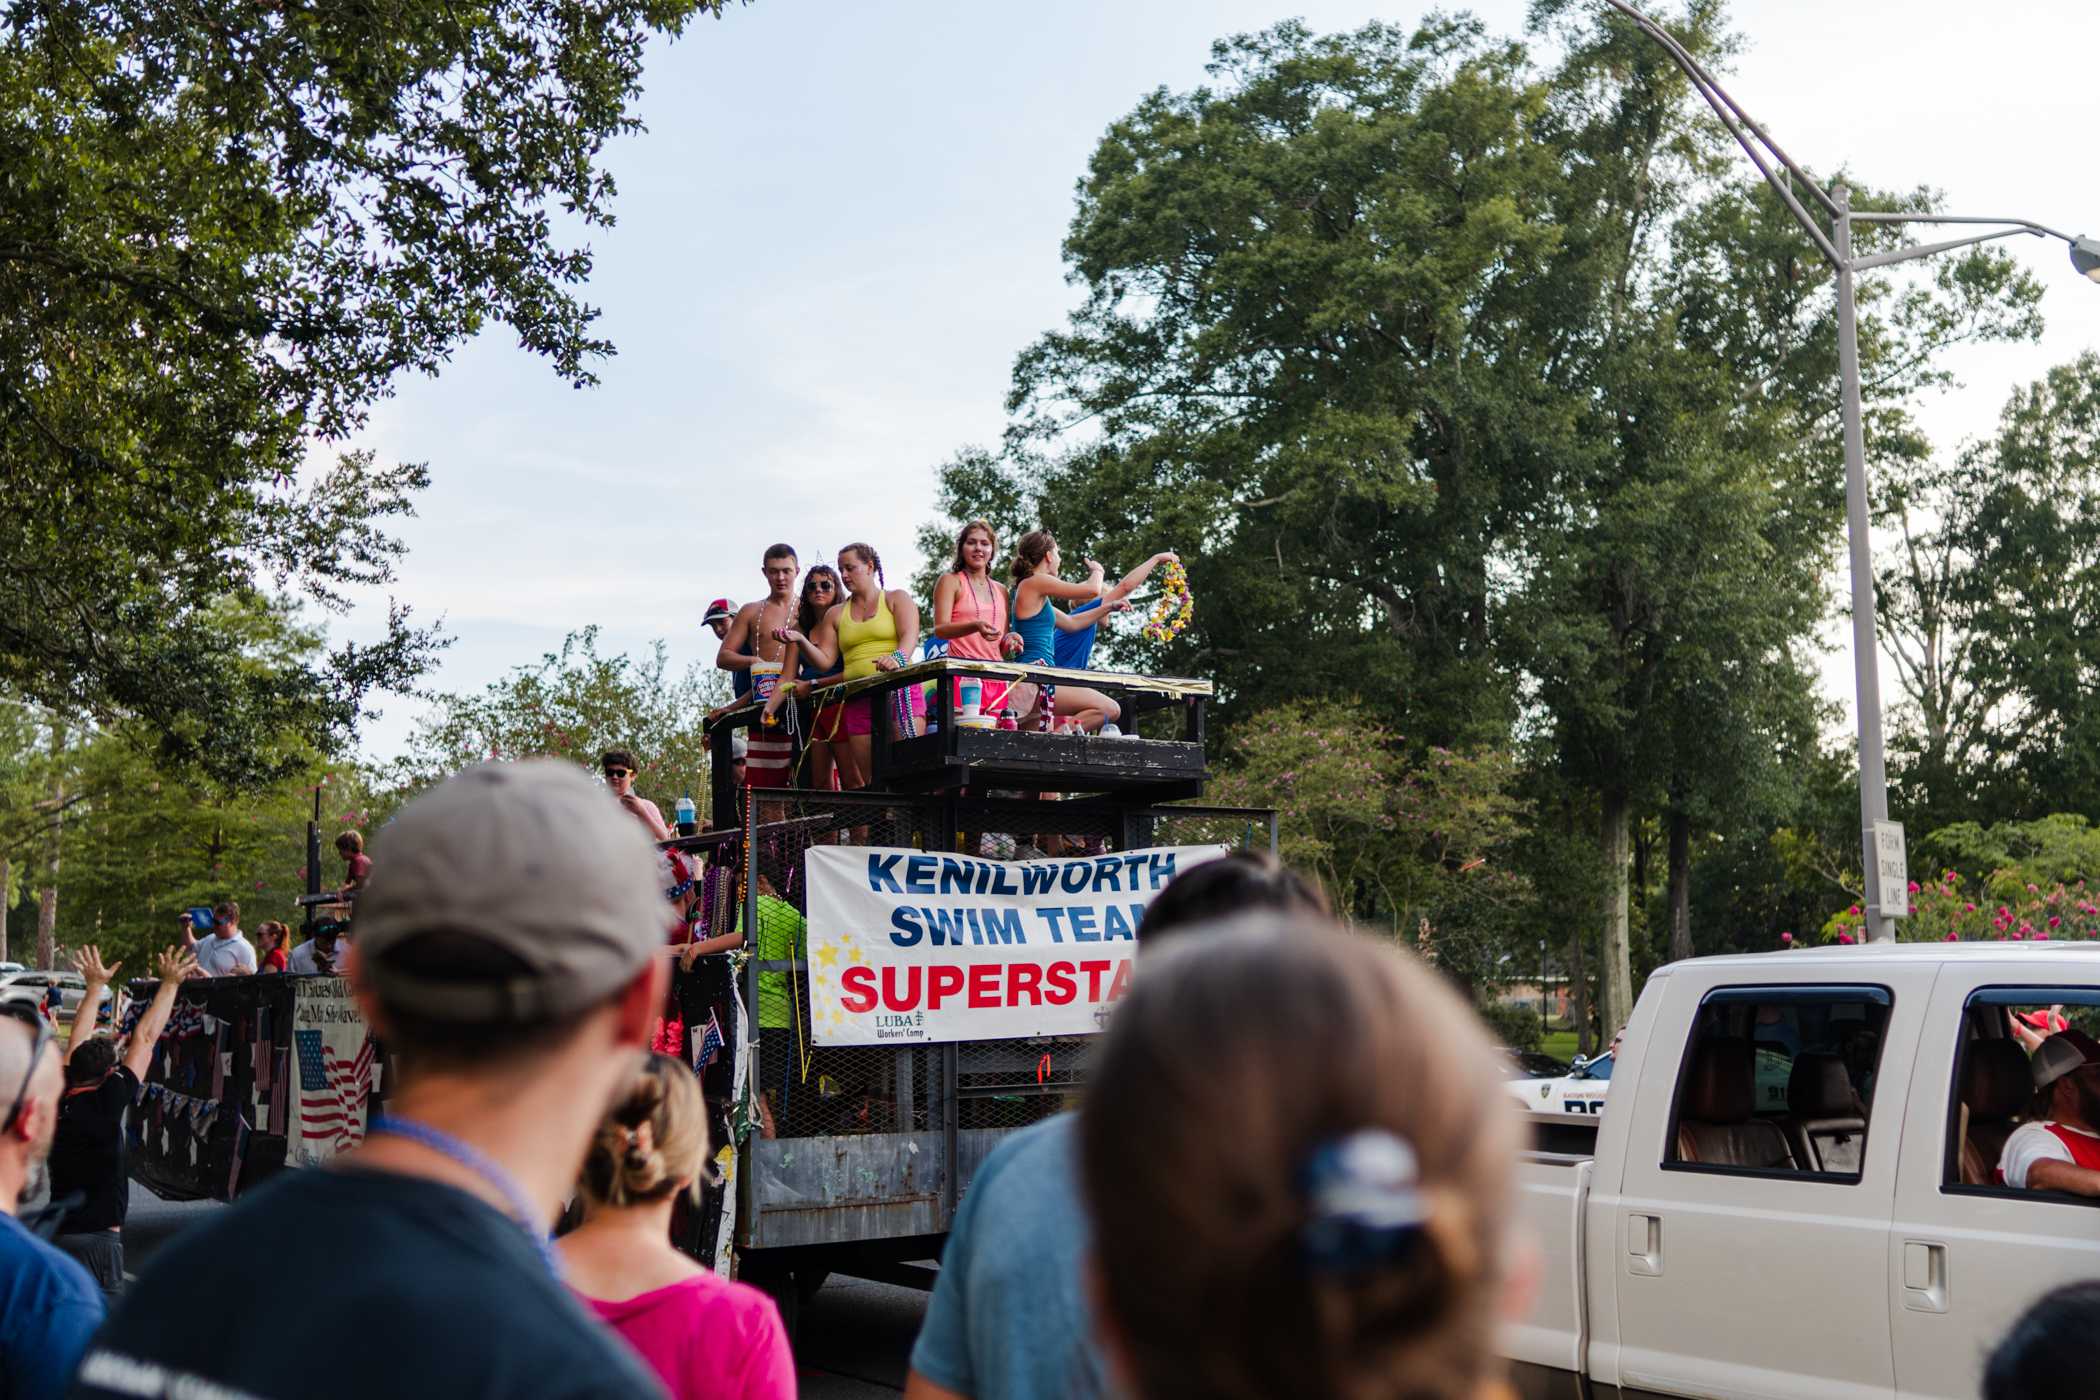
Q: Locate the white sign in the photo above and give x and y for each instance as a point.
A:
(331, 1071)
(1892, 870)
(922, 947)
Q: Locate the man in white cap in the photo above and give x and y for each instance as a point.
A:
(506, 959)
(2060, 1149)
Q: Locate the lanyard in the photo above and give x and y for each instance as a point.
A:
(483, 1166)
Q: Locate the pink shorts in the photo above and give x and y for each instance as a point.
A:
(855, 718)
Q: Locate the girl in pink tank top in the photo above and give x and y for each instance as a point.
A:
(970, 608)
(703, 1335)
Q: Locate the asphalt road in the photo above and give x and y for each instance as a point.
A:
(856, 1336)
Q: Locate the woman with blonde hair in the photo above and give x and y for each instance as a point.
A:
(705, 1336)
(1298, 1160)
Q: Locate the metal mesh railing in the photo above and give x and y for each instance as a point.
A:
(810, 1090)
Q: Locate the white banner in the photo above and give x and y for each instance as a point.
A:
(331, 1071)
(909, 946)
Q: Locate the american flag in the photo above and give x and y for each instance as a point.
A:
(332, 1091)
(708, 1043)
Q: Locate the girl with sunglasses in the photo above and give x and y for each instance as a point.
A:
(820, 589)
(874, 628)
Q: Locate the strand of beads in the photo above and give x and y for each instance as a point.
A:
(1176, 605)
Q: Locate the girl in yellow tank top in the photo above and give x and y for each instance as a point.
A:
(864, 643)
(882, 640)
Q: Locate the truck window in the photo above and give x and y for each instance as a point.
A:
(2002, 1123)
(1779, 1081)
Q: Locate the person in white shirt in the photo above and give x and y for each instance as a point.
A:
(323, 953)
(2059, 1148)
(227, 951)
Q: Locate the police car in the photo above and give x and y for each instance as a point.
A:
(1581, 1090)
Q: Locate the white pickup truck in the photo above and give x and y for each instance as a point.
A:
(1788, 1191)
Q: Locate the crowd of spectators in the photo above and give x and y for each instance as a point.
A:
(1209, 1223)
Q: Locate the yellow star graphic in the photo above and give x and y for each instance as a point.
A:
(827, 955)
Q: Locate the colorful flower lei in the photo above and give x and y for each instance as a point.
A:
(1171, 614)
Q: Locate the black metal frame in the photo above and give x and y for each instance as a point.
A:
(951, 756)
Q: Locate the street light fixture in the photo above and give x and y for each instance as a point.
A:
(2085, 256)
(1836, 246)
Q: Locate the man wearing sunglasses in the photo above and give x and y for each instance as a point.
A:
(49, 1307)
(618, 767)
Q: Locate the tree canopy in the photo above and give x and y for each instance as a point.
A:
(228, 228)
(1490, 389)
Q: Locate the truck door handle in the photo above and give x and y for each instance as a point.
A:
(1924, 1276)
(1644, 1245)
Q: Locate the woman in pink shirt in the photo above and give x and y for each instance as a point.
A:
(706, 1337)
(969, 609)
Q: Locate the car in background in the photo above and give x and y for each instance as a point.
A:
(1580, 1090)
(7, 967)
(32, 985)
(1537, 1064)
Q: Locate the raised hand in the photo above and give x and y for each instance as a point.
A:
(1094, 569)
(88, 963)
(175, 963)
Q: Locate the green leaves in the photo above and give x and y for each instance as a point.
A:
(575, 704)
(1988, 608)
(227, 228)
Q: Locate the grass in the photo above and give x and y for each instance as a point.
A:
(1559, 1044)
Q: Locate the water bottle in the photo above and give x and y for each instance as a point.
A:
(688, 817)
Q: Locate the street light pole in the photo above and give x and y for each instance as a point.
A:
(1880, 926)
(1781, 173)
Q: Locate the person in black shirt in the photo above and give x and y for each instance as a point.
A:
(508, 956)
(87, 1155)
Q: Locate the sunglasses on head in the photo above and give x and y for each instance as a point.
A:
(28, 1015)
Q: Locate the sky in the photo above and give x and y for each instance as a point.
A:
(843, 222)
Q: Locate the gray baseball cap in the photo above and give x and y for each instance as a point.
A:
(2061, 1053)
(535, 859)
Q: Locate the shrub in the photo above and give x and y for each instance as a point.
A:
(1518, 1027)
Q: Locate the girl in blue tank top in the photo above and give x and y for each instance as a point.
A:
(1036, 585)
